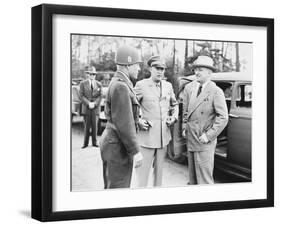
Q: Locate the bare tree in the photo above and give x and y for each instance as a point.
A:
(237, 56)
(174, 56)
(186, 55)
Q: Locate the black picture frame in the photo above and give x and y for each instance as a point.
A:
(42, 107)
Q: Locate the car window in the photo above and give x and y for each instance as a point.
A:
(227, 88)
(244, 96)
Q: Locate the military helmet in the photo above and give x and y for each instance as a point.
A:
(127, 55)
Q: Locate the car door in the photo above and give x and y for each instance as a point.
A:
(239, 126)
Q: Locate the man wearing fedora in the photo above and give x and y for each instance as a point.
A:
(90, 93)
(159, 110)
(205, 116)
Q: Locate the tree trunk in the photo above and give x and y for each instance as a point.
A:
(186, 56)
(88, 57)
(237, 57)
(226, 49)
(174, 56)
(193, 48)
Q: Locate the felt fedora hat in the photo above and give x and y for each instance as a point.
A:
(92, 71)
(204, 61)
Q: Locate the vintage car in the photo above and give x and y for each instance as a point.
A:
(233, 156)
(76, 102)
(104, 77)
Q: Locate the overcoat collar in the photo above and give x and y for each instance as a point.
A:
(121, 75)
(201, 98)
(124, 77)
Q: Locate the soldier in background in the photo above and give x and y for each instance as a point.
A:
(119, 146)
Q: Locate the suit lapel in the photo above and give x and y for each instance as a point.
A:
(88, 86)
(196, 101)
(193, 97)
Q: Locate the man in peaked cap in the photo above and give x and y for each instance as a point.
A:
(159, 111)
(119, 145)
(90, 93)
(205, 116)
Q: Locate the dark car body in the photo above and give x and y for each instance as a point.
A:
(233, 156)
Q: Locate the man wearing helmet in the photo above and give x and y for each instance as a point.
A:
(119, 146)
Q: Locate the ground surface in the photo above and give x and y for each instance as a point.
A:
(87, 166)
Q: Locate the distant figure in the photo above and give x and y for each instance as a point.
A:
(159, 110)
(90, 93)
(205, 118)
(119, 145)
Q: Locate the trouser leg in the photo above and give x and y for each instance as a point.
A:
(204, 163)
(144, 170)
(105, 175)
(94, 128)
(117, 164)
(117, 175)
(87, 126)
(191, 168)
(158, 165)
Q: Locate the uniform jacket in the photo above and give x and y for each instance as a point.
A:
(88, 95)
(206, 113)
(119, 140)
(156, 105)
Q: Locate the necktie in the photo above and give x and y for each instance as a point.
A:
(199, 90)
(158, 87)
(92, 86)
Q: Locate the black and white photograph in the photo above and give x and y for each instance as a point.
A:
(149, 112)
(140, 112)
(159, 112)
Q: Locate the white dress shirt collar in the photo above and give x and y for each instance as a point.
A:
(203, 85)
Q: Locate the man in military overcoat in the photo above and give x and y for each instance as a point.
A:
(205, 116)
(119, 146)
